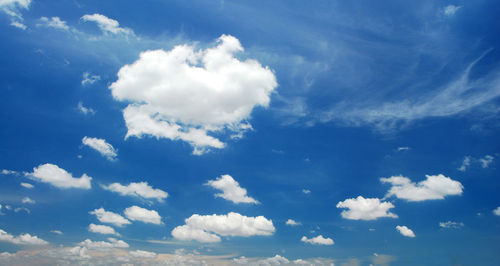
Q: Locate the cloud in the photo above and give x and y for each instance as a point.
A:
(52, 174)
(11, 8)
(451, 224)
(382, 259)
(497, 211)
(433, 188)
(209, 228)
(319, 240)
(109, 217)
(100, 145)
(18, 25)
(28, 200)
(18, 209)
(53, 22)
(280, 260)
(365, 209)
(113, 243)
(142, 254)
(140, 189)
(102, 229)
(450, 10)
(107, 25)
(292, 222)
(85, 110)
(89, 79)
(486, 161)
(306, 191)
(57, 232)
(403, 148)
(231, 190)
(27, 185)
(23, 239)
(136, 213)
(183, 94)
(465, 164)
(405, 231)
(9, 172)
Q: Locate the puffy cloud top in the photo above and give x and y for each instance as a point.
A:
(136, 213)
(109, 217)
(365, 209)
(140, 189)
(405, 231)
(23, 239)
(231, 190)
(107, 25)
(319, 240)
(52, 174)
(183, 94)
(100, 145)
(434, 187)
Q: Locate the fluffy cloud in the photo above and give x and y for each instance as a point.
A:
(136, 213)
(280, 260)
(142, 254)
(11, 8)
(231, 190)
(27, 185)
(292, 222)
(53, 22)
(102, 229)
(52, 174)
(434, 187)
(113, 243)
(18, 25)
(405, 231)
(89, 79)
(107, 25)
(497, 211)
(319, 240)
(207, 228)
(141, 189)
(109, 217)
(451, 224)
(100, 145)
(365, 209)
(28, 200)
(450, 10)
(23, 239)
(183, 94)
(85, 110)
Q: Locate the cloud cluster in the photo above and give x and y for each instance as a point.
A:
(434, 187)
(318, 240)
(209, 228)
(100, 145)
(405, 231)
(23, 239)
(11, 8)
(89, 79)
(184, 94)
(362, 208)
(112, 243)
(484, 162)
(58, 177)
(109, 217)
(140, 189)
(231, 190)
(451, 224)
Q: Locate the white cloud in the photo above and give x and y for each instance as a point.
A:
(53, 22)
(100, 145)
(9, 172)
(18, 25)
(58, 177)
(107, 25)
(465, 164)
(207, 228)
(450, 10)
(109, 217)
(382, 259)
(23, 239)
(403, 148)
(486, 161)
(28, 200)
(497, 211)
(451, 224)
(319, 240)
(292, 222)
(405, 231)
(57, 232)
(89, 79)
(113, 243)
(306, 191)
(11, 8)
(434, 187)
(365, 209)
(27, 185)
(136, 213)
(280, 260)
(183, 94)
(140, 189)
(18, 209)
(142, 254)
(102, 229)
(231, 190)
(85, 110)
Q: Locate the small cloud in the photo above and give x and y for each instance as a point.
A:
(371, 229)
(85, 110)
(405, 231)
(99, 245)
(292, 222)
(140, 189)
(9, 172)
(365, 209)
(23, 239)
(102, 229)
(58, 177)
(100, 145)
(486, 161)
(109, 217)
(231, 190)
(27, 185)
(142, 254)
(57, 232)
(28, 200)
(465, 164)
(403, 148)
(107, 25)
(53, 22)
(18, 25)
(136, 213)
(319, 240)
(497, 211)
(19, 209)
(89, 79)
(306, 191)
(435, 187)
(450, 10)
(451, 224)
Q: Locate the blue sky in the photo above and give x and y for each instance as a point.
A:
(249, 132)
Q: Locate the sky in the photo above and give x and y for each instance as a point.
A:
(166, 132)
